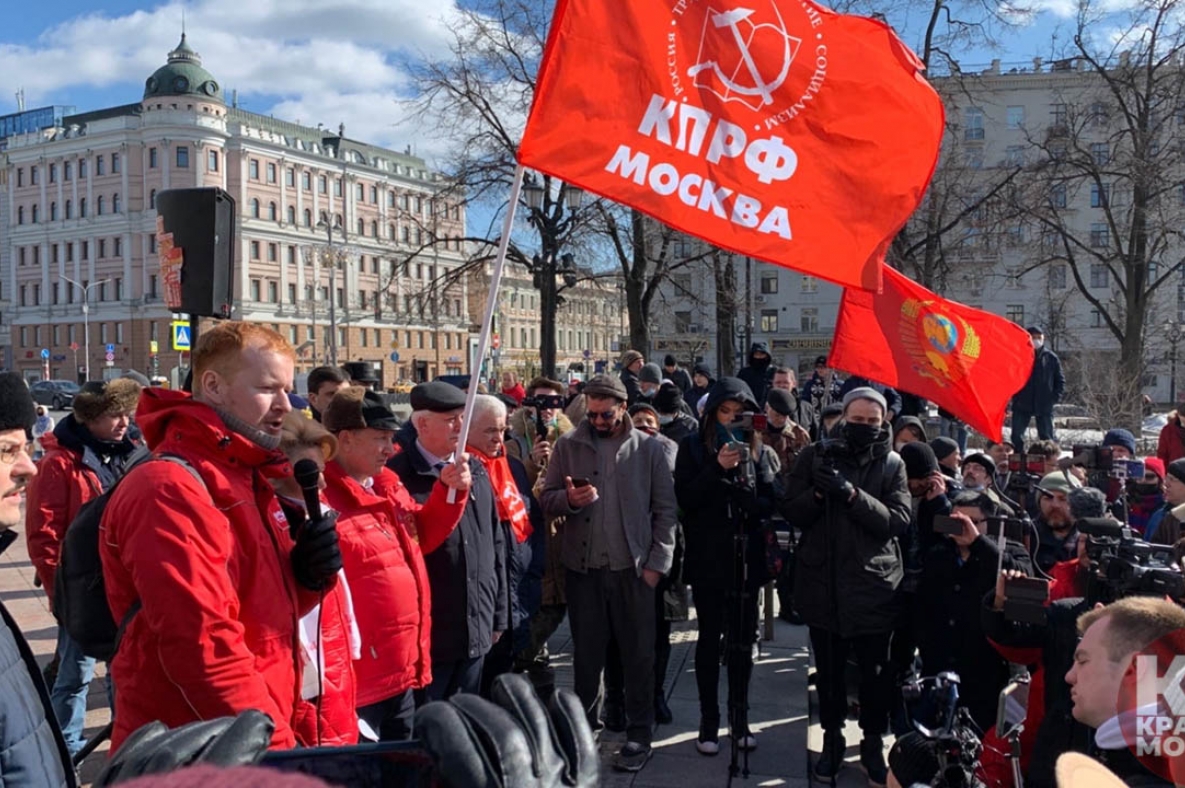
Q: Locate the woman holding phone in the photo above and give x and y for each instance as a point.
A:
(724, 480)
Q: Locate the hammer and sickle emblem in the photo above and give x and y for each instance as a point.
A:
(760, 87)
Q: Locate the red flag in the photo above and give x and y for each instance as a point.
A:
(968, 361)
(779, 130)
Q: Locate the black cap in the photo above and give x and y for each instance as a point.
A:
(360, 371)
(437, 396)
(981, 459)
(669, 361)
(510, 402)
(1034, 330)
(349, 411)
(17, 410)
(820, 360)
(668, 399)
(919, 459)
(781, 401)
(943, 447)
(831, 409)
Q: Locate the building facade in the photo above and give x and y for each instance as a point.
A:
(78, 222)
(589, 322)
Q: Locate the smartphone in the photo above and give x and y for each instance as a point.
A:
(1014, 529)
(947, 525)
(1025, 599)
(581, 482)
(737, 446)
(1013, 707)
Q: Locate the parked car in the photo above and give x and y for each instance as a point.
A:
(57, 394)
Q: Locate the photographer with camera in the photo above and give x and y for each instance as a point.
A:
(956, 574)
(850, 498)
(1056, 536)
(724, 481)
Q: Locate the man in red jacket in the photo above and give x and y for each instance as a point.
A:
(205, 572)
(84, 456)
(378, 522)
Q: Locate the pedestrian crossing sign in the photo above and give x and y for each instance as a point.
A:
(181, 336)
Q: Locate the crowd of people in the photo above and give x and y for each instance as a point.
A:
(408, 567)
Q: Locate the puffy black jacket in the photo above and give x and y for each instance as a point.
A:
(470, 599)
(848, 570)
(1045, 385)
(758, 375)
(1058, 731)
(711, 503)
(950, 633)
(32, 751)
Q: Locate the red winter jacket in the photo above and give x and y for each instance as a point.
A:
(1171, 445)
(387, 576)
(217, 633)
(60, 488)
(332, 720)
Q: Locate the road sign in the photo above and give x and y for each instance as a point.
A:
(74, 346)
(45, 354)
(394, 344)
(59, 357)
(496, 342)
(587, 354)
(395, 357)
(111, 348)
(110, 357)
(153, 347)
(181, 335)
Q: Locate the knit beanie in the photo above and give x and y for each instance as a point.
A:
(919, 459)
(1120, 437)
(1176, 469)
(650, 373)
(943, 447)
(1156, 465)
(17, 411)
(668, 399)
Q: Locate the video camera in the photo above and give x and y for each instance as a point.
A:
(1123, 565)
(748, 423)
(1100, 460)
(1024, 471)
(947, 723)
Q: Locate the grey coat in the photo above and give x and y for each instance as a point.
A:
(646, 501)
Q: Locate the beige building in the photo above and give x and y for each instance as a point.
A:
(589, 322)
(77, 202)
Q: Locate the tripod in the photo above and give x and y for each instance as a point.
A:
(739, 655)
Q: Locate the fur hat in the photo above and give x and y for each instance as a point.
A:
(356, 408)
(629, 357)
(99, 398)
(17, 410)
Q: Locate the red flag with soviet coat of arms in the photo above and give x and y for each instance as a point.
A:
(775, 128)
(966, 360)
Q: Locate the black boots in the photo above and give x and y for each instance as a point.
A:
(872, 758)
(831, 759)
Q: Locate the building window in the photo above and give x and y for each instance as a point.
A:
(809, 320)
(1100, 234)
(152, 199)
(115, 206)
(183, 157)
(117, 246)
(291, 214)
(272, 253)
(271, 211)
(20, 211)
(322, 184)
(337, 187)
(69, 210)
(1098, 113)
(1015, 313)
(20, 176)
(255, 208)
(253, 169)
(271, 172)
(1057, 277)
(82, 207)
(973, 123)
(98, 208)
(53, 173)
(114, 163)
(1016, 117)
(100, 165)
(66, 169)
(152, 287)
(102, 249)
(273, 293)
(1057, 195)
(53, 211)
(212, 161)
(810, 284)
(1014, 156)
(1096, 318)
(769, 321)
(1060, 113)
(290, 177)
(255, 250)
(152, 158)
(152, 244)
(769, 283)
(1099, 194)
(361, 193)
(33, 176)
(291, 293)
(54, 291)
(1100, 153)
(118, 288)
(82, 168)
(36, 211)
(255, 288)
(1099, 275)
(306, 181)
(308, 218)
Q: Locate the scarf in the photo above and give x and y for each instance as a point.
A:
(510, 503)
(253, 434)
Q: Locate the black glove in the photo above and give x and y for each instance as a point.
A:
(831, 484)
(316, 557)
(225, 742)
(512, 742)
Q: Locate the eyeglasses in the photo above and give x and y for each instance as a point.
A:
(10, 453)
(606, 415)
(980, 521)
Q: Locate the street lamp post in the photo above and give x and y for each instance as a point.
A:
(329, 227)
(552, 216)
(86, 323)
(1174, 330)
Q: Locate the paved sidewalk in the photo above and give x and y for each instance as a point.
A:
(778, 700)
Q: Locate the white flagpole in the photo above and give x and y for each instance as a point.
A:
(483, 344)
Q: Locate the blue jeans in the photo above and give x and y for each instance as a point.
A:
(1020, 423)
(75, 671)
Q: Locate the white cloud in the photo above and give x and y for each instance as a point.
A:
(314, 60)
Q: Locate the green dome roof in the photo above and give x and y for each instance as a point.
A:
(183, 75)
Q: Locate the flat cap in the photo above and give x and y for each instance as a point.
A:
(781, 401)
(606, 386)
(437, 396)
(356, 408)
(1058, 481)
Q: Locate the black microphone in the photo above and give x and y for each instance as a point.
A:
(308, 475)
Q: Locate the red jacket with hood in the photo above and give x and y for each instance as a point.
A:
(60, 488)
(385, 566)
(217, 633)
(1171, 444)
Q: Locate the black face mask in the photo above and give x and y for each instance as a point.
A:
(860, 436)
(1146, 489)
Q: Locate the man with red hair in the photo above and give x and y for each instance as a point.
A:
(199, 565)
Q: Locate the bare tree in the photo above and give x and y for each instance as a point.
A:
(1112, 142)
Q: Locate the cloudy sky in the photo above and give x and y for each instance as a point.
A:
(316, 61)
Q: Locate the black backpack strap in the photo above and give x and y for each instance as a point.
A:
(135, 606)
